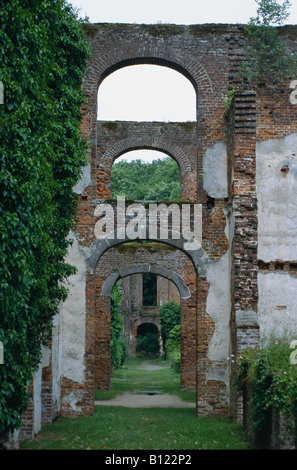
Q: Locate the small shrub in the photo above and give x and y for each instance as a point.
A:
(173, 348)
(273, 379)
(169, 317)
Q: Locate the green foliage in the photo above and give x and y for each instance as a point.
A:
(268, 57)
(228, 98)
(118, 345)
(147, 344)
(118, 427)
(169, 318)
(173, 348)
(156, 181)
(42, 57)
(273, 379)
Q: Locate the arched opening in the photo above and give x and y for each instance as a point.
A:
(176, 281)
(146, 92)
(146, 175)
(147, 340)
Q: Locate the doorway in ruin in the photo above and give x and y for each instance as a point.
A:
(148, 340)
(141, 327)
(144, 298)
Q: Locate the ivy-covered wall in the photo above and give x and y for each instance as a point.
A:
(42, 57)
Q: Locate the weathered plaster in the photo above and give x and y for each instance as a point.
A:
(37, 399)
(276, 191)
(218, 307)
(215, 170)
(277, 305)
(57, 363)
(72, 399)
(73, 317)
(84, 181)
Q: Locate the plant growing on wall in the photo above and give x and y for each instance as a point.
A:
(118, 346)
(272, 377)
(43, 58)
(169, 317)
(268, 57)
(173, 348)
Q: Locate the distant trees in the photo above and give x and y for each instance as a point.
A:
(156, 181)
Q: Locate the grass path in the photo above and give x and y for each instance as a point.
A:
(118, 428)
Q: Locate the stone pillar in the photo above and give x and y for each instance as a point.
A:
(241, 122)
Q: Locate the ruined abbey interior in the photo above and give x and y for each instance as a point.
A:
(239, 163)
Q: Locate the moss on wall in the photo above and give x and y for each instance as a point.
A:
(201, 30)
(109, 125)
(164, 30)
(153, 247)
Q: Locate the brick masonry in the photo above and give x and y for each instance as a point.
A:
(220, 157)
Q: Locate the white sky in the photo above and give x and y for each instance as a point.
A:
(172, 11)
(121, 95)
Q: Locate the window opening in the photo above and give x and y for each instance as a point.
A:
(146, 93)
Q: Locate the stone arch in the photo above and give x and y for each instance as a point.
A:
(139, 53)
(198, 256)
(187, 172)
(104, 65)
(146, 268)
(163, 263)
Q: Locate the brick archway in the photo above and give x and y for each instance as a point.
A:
(146, 136)
(123, 261)
(197, 256)
(173, 276)
(141, 52)
(205, 55)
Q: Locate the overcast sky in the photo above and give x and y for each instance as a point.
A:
(172, 11)
(121, 95)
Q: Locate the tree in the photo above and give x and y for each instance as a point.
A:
(268, 56)
(43, 58)
(137, 180)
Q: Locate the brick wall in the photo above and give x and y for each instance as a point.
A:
(209, 56)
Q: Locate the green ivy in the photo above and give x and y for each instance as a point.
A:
(173, 348)
(273, 383)
(118, 344)
(169, 318)
(43, 58)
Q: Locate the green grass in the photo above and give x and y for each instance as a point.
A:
(131, 378)
(135, 428)
(119, 428)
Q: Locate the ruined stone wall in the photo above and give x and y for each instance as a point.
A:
(135, 313)
(239, 164)
(154, 258)
(178, 140)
